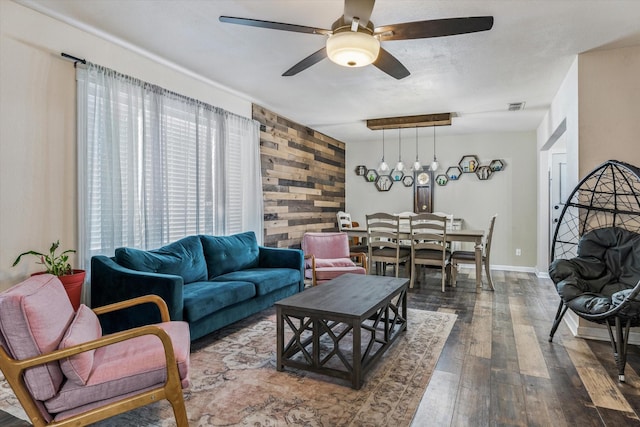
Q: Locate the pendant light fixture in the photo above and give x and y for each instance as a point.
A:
(399, 165)
(434, 164)
(416, 165)
(383, 168)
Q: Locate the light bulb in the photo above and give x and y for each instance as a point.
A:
(384, 167)
(416, 165)
(434, 165)
(400, 166)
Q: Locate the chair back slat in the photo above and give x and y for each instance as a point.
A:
(383, 231)
(428, 234)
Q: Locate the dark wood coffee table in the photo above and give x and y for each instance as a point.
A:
(325, 325)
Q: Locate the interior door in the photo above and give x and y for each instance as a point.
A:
(557, 192)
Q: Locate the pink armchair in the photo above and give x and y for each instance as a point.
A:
(64, 372)
(327, 256)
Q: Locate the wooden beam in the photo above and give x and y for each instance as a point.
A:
(424, 120)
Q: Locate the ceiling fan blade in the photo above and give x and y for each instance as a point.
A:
(274, 25)
(390, 65)
(434, 28)
(307, 62)
(360, 9)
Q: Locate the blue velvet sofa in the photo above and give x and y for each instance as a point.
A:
(208, 281)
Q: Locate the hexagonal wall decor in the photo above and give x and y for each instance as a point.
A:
(384, 183)
(496, 165)
(453, 173)
(442, 179)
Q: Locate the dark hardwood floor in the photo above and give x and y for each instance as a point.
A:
(498, 368)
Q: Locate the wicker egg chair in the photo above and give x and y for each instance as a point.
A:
(595, 253)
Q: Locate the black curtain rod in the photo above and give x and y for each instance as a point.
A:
(74, 58)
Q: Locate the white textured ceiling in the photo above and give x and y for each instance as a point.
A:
(524, 57)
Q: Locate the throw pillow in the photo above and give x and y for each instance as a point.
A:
(85, 327)
(225, 254)
(183, 258)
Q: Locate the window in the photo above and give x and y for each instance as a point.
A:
(155, 166)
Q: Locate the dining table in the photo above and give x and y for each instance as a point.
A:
(464, 235)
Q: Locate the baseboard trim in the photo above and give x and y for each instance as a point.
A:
(516, 268)
(594, 331)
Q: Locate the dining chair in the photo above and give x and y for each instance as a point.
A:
(449, 218)
(383, 231)
(405, 218)
(429, 245)
(327, 256)
(63, 371)
(469, 257)
(344, 224)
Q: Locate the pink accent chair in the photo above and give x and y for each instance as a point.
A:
(64, 372)
(327, 256)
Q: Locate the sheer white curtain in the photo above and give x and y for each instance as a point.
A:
(155, 166)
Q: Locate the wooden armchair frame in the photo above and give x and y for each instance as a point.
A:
(171, 390)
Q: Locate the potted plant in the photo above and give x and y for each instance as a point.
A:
(58, 265)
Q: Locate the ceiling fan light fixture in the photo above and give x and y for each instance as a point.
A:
(352, 49)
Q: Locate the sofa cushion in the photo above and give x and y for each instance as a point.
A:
(266, 280)
(184, 258)
(145, 367)
(224, 254)
(203, 298)
(85, 327)
(34, 316)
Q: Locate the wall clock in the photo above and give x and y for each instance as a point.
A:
(423, 178)
(423, 198)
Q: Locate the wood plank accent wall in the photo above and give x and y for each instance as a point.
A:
(303, 179)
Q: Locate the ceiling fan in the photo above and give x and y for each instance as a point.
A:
(353, 41)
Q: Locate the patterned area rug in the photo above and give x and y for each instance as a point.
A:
(234, 382)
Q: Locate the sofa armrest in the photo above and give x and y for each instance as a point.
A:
(112, 283)
(282, 258)
(162, 306)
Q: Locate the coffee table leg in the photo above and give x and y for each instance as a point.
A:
(279, 339)
(405, 314)
(357, 356)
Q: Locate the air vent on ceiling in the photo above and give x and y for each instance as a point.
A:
(516, 106)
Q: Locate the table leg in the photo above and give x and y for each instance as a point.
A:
(478, 265)
(357, 356)
(279, 339)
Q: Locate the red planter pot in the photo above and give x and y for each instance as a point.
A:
(73, 285)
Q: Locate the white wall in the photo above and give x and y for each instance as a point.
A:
(510, 193)
(564, 107)
(37, 126)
